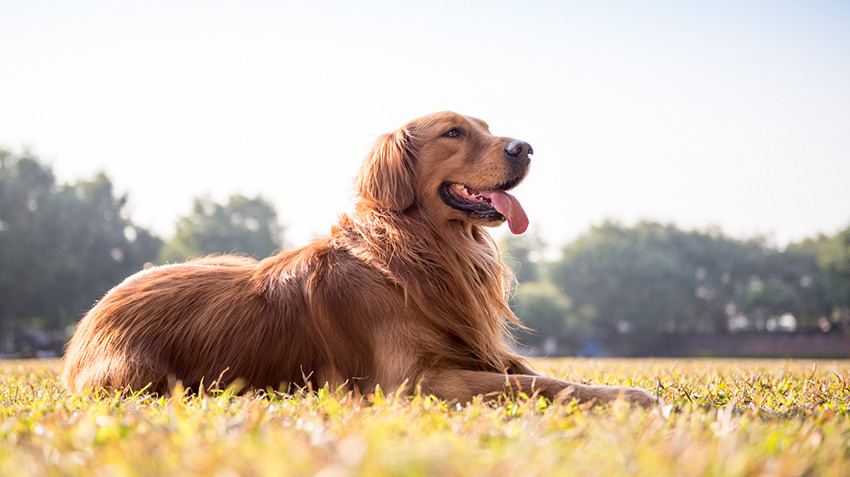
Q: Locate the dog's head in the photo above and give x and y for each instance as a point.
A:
(451, 167)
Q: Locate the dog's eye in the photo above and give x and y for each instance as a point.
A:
(453, 132)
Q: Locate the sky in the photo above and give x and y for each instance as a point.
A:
(731, 115)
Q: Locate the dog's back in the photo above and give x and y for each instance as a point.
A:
(190, 322)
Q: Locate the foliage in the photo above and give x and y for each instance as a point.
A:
(832, 255)
(61, 246)
(654, 278)
(548, 313)
(545, 311)
(242, 225)
(724, 418)
(517, 251)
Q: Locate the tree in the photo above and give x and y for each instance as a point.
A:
(540, 305)
(548, 313)
(781, 283)
(655, 278)
(61, 247)
(832, 256)
(242, 225)
(518, 251)
(632, 277)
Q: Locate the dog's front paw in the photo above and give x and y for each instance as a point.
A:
(642, 397)
(614, 393)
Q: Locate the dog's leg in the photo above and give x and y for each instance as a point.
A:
(464, 385)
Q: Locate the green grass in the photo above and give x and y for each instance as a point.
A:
(726, 417)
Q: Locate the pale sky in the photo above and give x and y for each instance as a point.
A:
(706, 114)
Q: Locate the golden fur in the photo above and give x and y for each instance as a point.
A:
(406, 290)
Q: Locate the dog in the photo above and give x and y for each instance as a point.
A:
(407, 292)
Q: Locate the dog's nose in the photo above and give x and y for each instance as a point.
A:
(518, 150)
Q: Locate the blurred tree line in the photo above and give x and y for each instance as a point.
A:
(652, 279)
(62, 246)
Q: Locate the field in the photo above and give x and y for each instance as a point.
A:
(724, 417)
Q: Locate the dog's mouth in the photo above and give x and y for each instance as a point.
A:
(495, 204)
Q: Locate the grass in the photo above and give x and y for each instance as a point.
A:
(725, 417)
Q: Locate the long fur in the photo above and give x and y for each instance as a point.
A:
(405, 290)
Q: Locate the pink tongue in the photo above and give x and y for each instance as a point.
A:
(508, 206)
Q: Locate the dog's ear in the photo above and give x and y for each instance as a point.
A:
(387, 176)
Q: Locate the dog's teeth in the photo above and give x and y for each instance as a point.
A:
(462, 189)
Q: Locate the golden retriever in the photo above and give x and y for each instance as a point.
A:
(408, 290)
